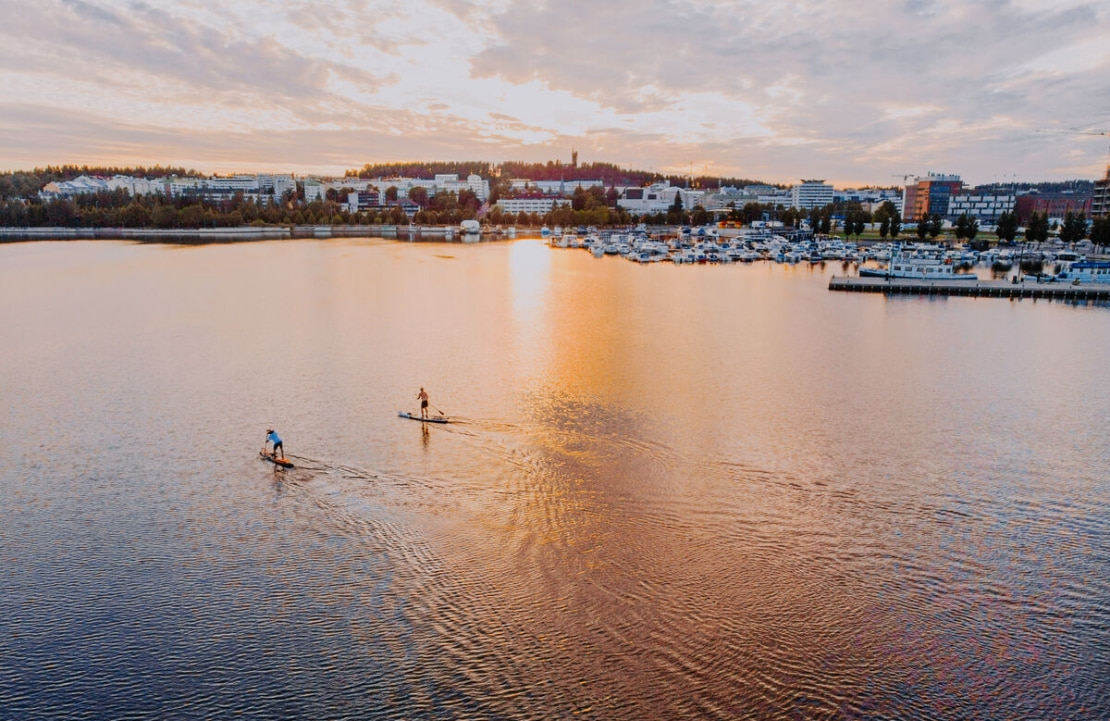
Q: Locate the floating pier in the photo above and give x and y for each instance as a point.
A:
(975, 289)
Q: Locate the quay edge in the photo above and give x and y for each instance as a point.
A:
(977, 289)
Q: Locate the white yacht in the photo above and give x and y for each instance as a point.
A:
(917, 269)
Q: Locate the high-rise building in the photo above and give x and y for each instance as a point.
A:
(1100, 201)
(811, 194)
(930, 195)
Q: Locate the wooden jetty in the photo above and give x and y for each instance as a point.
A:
(974, 289)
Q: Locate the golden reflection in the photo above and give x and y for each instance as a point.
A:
(530, 262)
(530, 279)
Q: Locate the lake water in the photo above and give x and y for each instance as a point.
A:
(672, 492)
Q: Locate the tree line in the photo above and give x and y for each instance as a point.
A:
(20, 206)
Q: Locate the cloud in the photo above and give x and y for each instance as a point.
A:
(837, 76)
(849, 91)
(173, 48)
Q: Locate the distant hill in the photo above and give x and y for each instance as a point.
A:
(552, 170)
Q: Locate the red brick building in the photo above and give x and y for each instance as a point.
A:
(1056, 205)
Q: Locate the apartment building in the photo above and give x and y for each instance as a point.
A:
(985, 207)
(526, 205)
(1100, 200)
(811, 194)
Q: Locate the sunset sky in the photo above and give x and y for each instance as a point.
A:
(853, 92)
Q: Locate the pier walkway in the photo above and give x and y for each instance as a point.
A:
(981, 288)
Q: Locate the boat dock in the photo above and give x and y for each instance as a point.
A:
(975, 289)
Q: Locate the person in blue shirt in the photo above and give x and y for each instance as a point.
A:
(272, 437)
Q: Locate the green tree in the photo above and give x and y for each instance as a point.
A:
(1036, 230)
(1006, 228)
(419, 195)
(884, 227)
(191, 216)
(923, 226)
(883, 212)
(391, 194)
(962, 224)
(1074, 228)
(1100, 231)
(578, 199)
(935, 224)
(895, 223)
(61, 212)
(165, 216)
(135, 216)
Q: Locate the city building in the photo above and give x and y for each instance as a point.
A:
(526, 205)
(135, 186)
(657, 198)
(811, 194)
(985, 206)
(473, 183)
(362, 201)
(870, 199)
(81, 185)
(929, 195)
(276, 185)
(566, 187)
(1100, 200)
(314, 190)
(1056, 205)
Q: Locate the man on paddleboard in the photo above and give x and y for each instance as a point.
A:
(272, 437)
(422, 396)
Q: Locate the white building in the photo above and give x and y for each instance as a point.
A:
(276, 185)
(566, 187)
(473, 183)
(526, 205)
(314, 190)
(811, 194)
(81, 185)
(984, 207)
(657, 198)
(136, 186)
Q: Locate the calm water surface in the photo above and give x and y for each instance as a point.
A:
(673, 492)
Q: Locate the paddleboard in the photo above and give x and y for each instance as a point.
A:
(429, 419)
(276, 461)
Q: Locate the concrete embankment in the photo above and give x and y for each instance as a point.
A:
(241, 234)
(168, 235)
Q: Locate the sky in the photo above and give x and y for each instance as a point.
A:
(853, 92)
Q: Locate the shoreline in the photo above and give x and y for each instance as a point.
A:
(241, 234)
